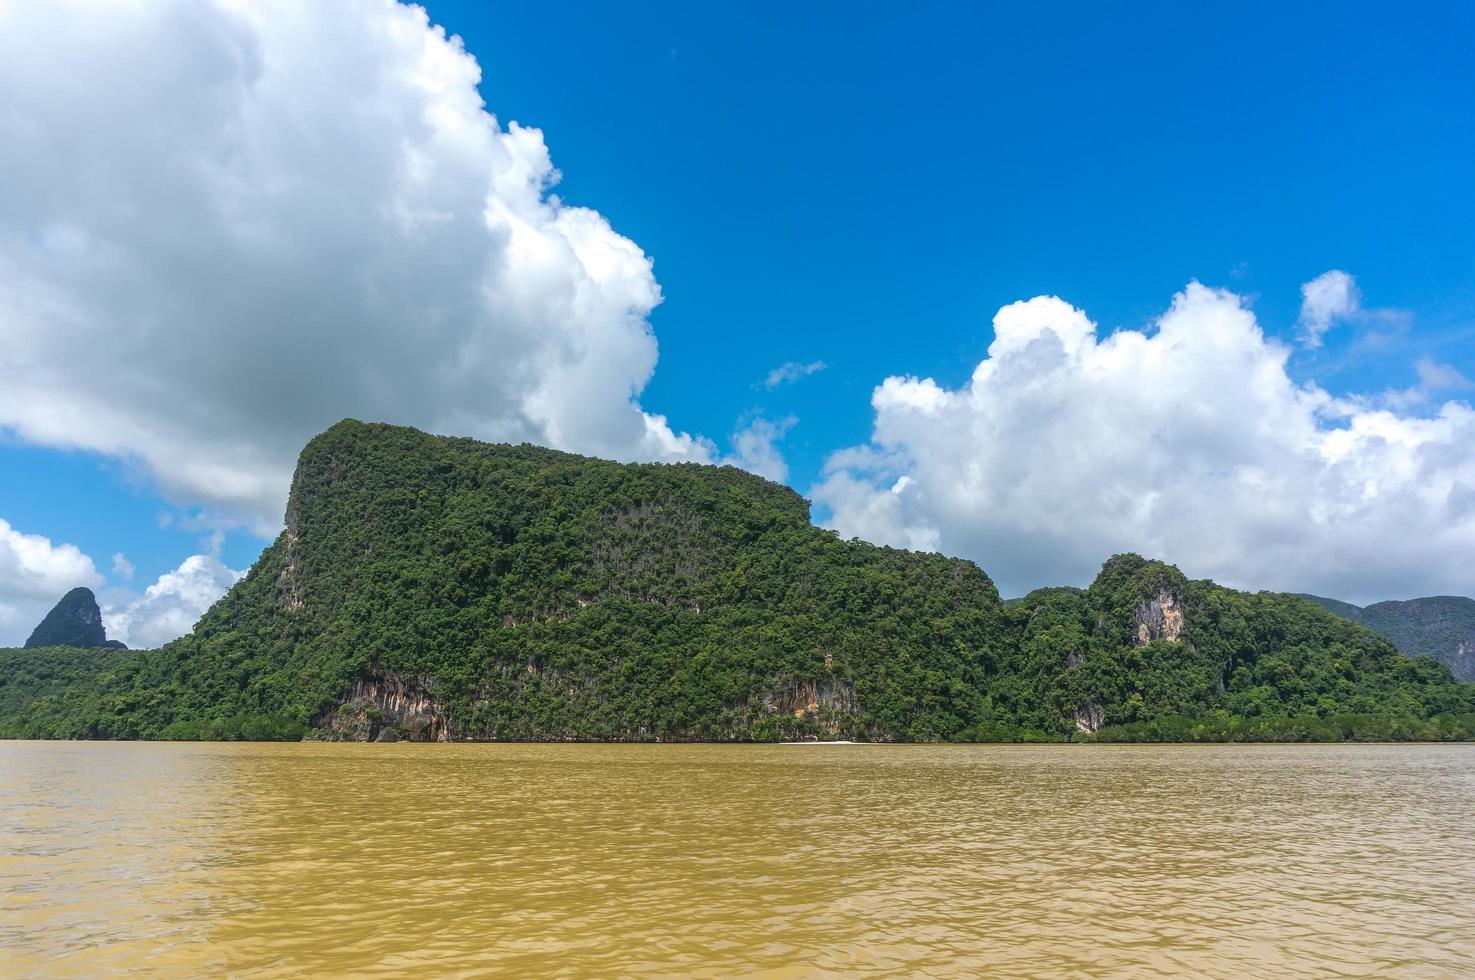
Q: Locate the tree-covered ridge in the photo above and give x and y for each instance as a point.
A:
(1242, 666)
(541, 594)
(444, 588)
(1441, 626)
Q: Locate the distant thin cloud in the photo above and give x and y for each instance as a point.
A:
(1329, 297)
(791, 371)
(755, 448)
(1434, 378)
(1332, 298)
(122, 567)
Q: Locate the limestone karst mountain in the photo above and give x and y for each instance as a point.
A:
(75, 621)
(438, 588)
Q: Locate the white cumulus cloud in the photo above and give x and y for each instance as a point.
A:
(1188, 441)
(1434, 376)
(755, 448)
(34, 574)
(171, 606)
(226, 225)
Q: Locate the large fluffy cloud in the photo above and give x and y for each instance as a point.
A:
(226, 225)
(1188, 441)
(171, 606)
(34, 574)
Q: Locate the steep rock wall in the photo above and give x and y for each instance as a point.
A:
(1159, 617)
(828, 703)
(387, 707)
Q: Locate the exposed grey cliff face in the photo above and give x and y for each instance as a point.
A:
(1463, 661)
(75, 621)
(290, 579)
(387, 708)
(828, 703)
(1159, 617)
(1090, 717)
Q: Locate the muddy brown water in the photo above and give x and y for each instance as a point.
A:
(710, 860)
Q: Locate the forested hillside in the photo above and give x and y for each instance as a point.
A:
(438, 588)
(1149, 655)
(1441, 626)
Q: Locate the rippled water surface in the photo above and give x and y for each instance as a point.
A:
(596, 860)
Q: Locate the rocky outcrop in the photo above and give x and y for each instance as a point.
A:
(801, 698)
(289, 580)
(1159, 617)
(1463, 661)
(387, 707)
(828, 703)
(1090, 716)
(75, 621)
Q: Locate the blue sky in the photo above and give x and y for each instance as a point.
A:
(866, 186)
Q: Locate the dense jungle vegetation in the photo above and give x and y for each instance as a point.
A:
(428, 586)
(1440, 626)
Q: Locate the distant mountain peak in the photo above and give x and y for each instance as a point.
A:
(75, 621)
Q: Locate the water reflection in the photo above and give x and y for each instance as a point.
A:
(722, 860)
